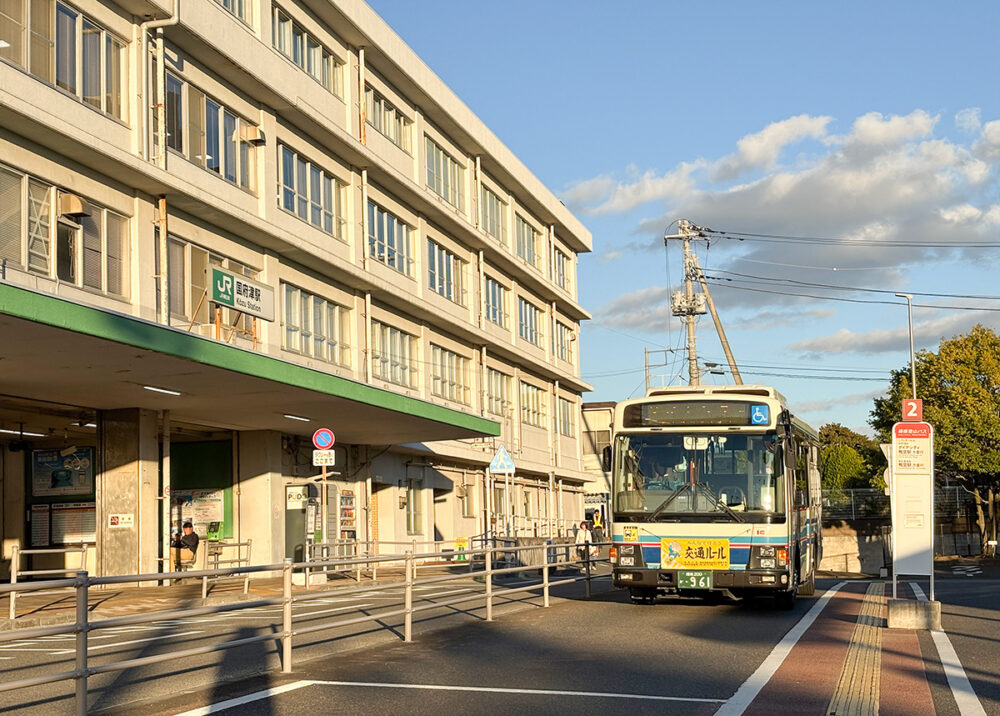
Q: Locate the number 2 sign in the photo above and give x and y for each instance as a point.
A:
(913, 410)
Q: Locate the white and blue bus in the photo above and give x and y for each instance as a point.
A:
(716, 489)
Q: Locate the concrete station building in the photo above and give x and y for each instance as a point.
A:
(224, 225)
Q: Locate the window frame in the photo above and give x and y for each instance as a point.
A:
(386, 119)
(493, 214)
(395, 248)
(300, 333)
(526, 244)
(445, 272)
(498, 389)
(450, 375)
(532, 405)
(329, 74)
(330, 205)
(445, 175)
(393, 355)
(529, 321)
(495, 302)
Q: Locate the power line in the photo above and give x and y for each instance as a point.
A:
(727, 283)
(829, 241)
(854, 288)
(818, 268)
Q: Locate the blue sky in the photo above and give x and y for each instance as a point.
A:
(860, 122)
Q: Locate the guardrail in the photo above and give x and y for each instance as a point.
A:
(83, 626)
(16, 571)
(214, 551)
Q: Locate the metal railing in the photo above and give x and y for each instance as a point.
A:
(83, 625)
(868, 503)
(16, 572)
(214, 553)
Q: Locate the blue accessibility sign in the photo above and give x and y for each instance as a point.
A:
(502, 461)
(760, 414)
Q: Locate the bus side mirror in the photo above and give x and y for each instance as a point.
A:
(791, 454)
(606, 458)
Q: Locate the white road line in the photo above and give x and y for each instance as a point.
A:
(333, 609)
(249, 698)
(531, 692)
(133, 641)
(961, 688)
(745, 695)
(442, 594)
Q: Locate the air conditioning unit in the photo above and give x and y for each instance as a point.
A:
(73, 206)
(252, 134)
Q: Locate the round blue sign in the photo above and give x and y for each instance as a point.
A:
(323, 439)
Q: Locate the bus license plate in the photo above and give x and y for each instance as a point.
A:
(694, 579)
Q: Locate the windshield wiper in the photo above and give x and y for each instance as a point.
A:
(735, 515)
(667, 502)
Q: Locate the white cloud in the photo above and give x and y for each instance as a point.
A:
(969, 119)
(926, 333)
(823, 406)
(609, 256)
(875, 128)
(761, 149)
(649, 187)
(589, 190)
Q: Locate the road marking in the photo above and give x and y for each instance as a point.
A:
(961, 688)
(126, 643)
(249, 698)
(858, 687)
(745, 695)
(533, 692)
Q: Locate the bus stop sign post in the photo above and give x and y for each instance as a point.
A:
(323, 455)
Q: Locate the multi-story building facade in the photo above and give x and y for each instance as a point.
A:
(226, 224)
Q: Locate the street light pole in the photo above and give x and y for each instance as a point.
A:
(913, 362)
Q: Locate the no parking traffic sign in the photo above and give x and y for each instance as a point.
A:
(323, 439)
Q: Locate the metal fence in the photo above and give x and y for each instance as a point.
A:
(859, 504)
(82, 582)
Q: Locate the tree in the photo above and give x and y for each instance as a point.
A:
(866, 449)
(960, 388)
(841, 467)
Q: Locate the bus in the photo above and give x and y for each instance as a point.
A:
(715, 491)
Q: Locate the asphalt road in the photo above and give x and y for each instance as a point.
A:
(127, 690)
(603, 655)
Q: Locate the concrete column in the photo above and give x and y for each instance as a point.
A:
(260, 494)
(128, 484)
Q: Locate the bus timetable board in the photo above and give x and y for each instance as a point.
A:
(679, 413)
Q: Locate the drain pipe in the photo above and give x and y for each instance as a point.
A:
(144, 28)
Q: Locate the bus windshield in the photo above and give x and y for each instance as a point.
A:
(721, 476)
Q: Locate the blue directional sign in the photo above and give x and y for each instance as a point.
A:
(502, 461)
(760, 415)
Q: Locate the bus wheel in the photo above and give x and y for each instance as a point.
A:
(642, 596)
(808, 587)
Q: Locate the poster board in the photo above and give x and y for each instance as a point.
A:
(40, 520)
(62, 472)
(197, 506)
(74, 522)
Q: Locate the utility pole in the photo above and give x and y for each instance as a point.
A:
(688, 304)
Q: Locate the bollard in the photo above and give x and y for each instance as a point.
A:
(15, 565)
(410, 569)
(545, 573)
(82, 629)
(489, 583)
(286, 617)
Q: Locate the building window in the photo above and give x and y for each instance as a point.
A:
(564, 342)
(496, 302)
(499, 499)
(316, 327)
(212, 137)
(498, 392)
(393, 355)
(526, 239)
(62, 46)
(494, 211)
(388, 239)
(561, 267)
(239, 8)
(596, 440)
(386, 119)
(306, 51)
(532, 405)
(414, 513)
(528, 322)
(311, 193)
(449, 375)
(445, 176)
(188, 269)
(445, 272)
(567, 425)
(88, 251)
(468, 503)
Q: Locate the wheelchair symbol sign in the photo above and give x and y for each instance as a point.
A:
(760, 415)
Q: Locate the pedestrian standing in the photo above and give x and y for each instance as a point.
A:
(584, 539)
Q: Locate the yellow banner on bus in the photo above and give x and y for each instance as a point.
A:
(694, 553)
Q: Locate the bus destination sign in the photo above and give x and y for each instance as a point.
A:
(685, 413)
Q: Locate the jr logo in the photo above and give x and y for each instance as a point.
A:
(223, 288)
